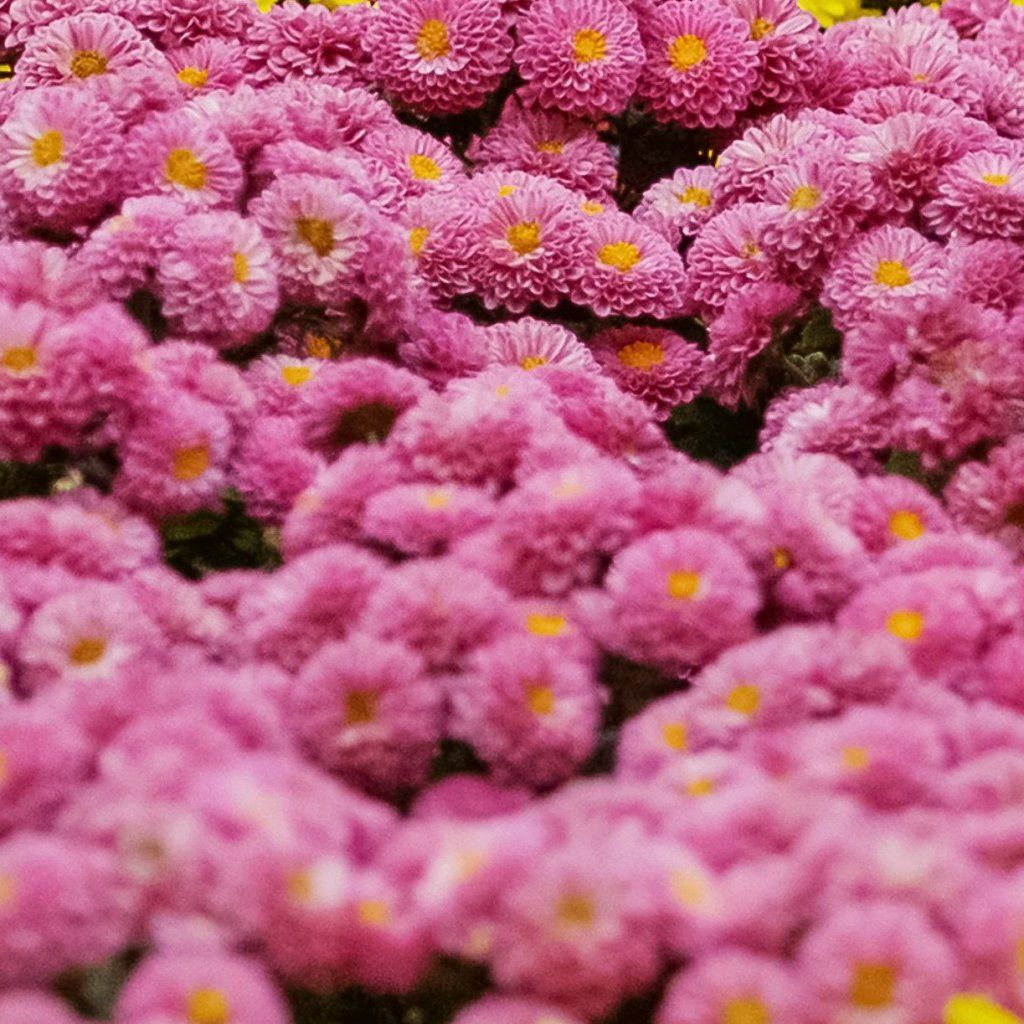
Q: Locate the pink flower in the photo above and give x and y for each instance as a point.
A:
(202, 986)
(655, 365)
(987, 272)
(583, 57)
(980, 195)
(440, 57)
(532, 344)
(701, 63)
(679, 206)
(988, 497)
(439, 232)
(424, 165)
(208, 66)
(503, 1010)
(891, 510)
(191, 20)
(365, 709)
(30, 1007)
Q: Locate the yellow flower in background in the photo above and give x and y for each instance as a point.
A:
(828, 12)
(264, 5)
(333, 4)
(966, 1008)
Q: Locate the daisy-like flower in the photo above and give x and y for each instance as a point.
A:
(179, 155)
(548, 143)
(727, 255)
(988, 496)
(891, 510)
(678, 207)
(439, 230)
(702, 65)
(980, 195)
(533, 343)
(656, 365)
(531, 247)
(787, 41)
(216, 279)
(419, 161)
(365, 709)
(83, 47)
(60, 152)
(582, 57)
(631, 270)
(318, 235)
(881, 268)
(208, 65)
(295, 41)
(440, 56)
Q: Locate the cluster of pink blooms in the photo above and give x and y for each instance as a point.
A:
(750, 741)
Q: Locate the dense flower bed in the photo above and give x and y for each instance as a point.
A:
(513, 512)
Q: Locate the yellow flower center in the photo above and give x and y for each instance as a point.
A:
(905, 625)
(316, 233)
(804, 197)
(641, 355)
(193, 76)
(746, 1011)
(591, 207)
(576, 910)
(436, 500)
(621, 256)
(856, 759)
(687, 888)
(555, 146)
(781, 559)
(208, 1006)
(540, 700)
(423, 167)
(687, 51)
(743, 699)
(999, 180)
(239, 267)
(540, 624)
(87, 651)
(696, 196)
(506, 190)
(892, 274)
(18, 359)
(761, 27)
(524, 237)
(432, 40)
(532, 362)
(701, 786)
(872, 986)
(589, 45)
(417, 239)
(360, 707)
(674, 735)
(4, 768)
(48, 149)
(184, 169)
(191, 463)
(906, 525)
(375, 913)
(296, 375)
(969, 1008)
(299, 885)
(87, 63)
(8, 887)
(683, 586)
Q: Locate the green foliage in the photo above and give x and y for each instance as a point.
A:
(709, 432)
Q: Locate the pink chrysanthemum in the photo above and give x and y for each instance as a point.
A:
(968, 16)
(441, 345)
(531, 344)
(530, 247)
(27, 16)
(989, 496)
(891, 510)
(209, 65)
(988, 272)
(216, 279)
(734, 986)
(728, 255)
(440, 57)
(179, 155)
(530, 712)
(29, 1007)
(980, 195)
(702, 64)
(582, 57)
(787, 41)
(315, 599)
(60, 151)
(551, 144)
(676, 598)
(875, 957)
(655, 365)
(881, 268)
(502, 1010)
(356, 401)
(84, 47)
(630, 271)
(204, 985)
(678, 207)
(423, 165)
(441, 610)
(296, 41)
(439, 230)
(1001, 38)
(365, 709)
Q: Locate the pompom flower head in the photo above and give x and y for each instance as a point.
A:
(582, 57)
(980, 195)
